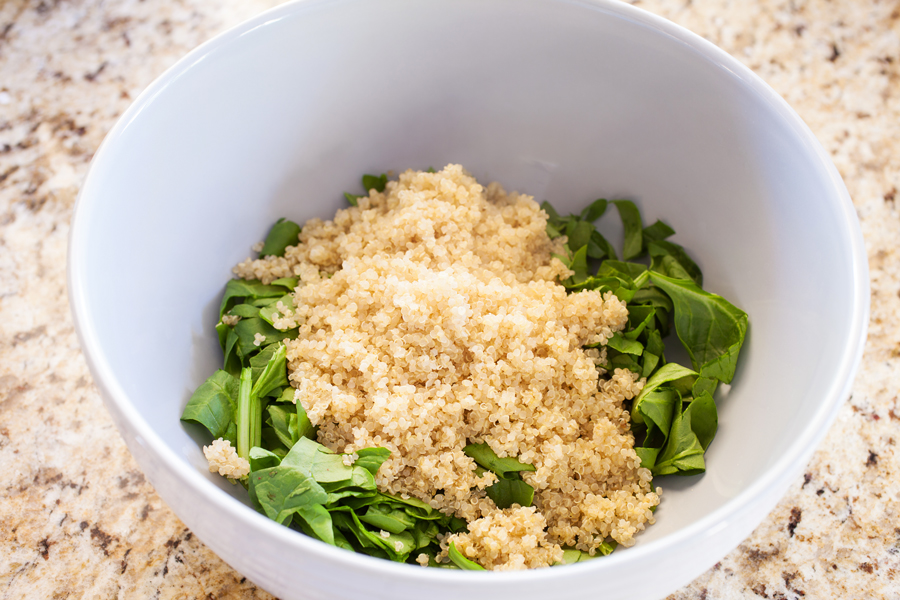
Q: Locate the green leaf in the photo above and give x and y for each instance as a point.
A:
(552, 215)
(657, 411)
(390, 519)
(704, 385)
(222, 332)
(572, 555)
(639, 318)
(552, 232)
(245, 311)
(304, 427)
(289, 283)
(579, 233)
(628, 271)
(599, 247)
(212, 404)
(507, 492)
(372, 458)
(283, 234)
(461, 561)
(319, 462)
(671, 260)
(704, 418)
(274, 375)
(246, 288)
(282, 490)
(316, 522)
(672, 374)
(487, 458)
(625, 346)
(280, 419)
(260, 459)
(657, 231)
(653, 296)
(631, 221)
(653, 353)
(579, 265)
(683, 453)
(711, 328)
(594, 210)
(373, 182)
(246, 331)
(647, 456)
(348, 521)
(271, 312)
(617, 360)
(353, 199)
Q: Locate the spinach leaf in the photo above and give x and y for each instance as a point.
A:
(508, 491)
(676, 376)
(653, 353)
(683, 453)
(283, 490)
(383, 516)
(373, 182)
(552, 215)
(280, 418)
(371, 458)
(268, 313)
(657, 231)
(245, 311)
(283, 234)
(461, 561)
(304, 427)
(711, 328)
(246, 288)
(260, 459)
(353, 199)
(657, 410)
(289, 283)
(315, 520)
(671, 260)
(626, 270)
(274, 375)
(572, 555)
(579, 234)
(212, 404)
(704, 418)
(704, 384)
(653, 296)
(631, 220)
(594, 210)
(598, 247)
(625, 346)
(247, 330)
(488, 459)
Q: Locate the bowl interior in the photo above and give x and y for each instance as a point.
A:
(566, 101)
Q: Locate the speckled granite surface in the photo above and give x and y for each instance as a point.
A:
(77, 518)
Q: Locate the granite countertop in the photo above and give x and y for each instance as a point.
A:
(78, 519)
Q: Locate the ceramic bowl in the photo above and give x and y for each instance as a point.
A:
(565, 100)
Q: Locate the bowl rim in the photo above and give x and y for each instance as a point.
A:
(798, 452)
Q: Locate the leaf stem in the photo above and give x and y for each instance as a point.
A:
(245, 415)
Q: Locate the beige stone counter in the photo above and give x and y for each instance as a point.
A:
(77, 518)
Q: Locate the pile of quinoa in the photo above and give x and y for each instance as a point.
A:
(431, 317)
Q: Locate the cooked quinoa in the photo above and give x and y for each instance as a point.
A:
(431, 317)
(224, 460)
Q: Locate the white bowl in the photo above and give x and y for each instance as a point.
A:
(565, 100)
